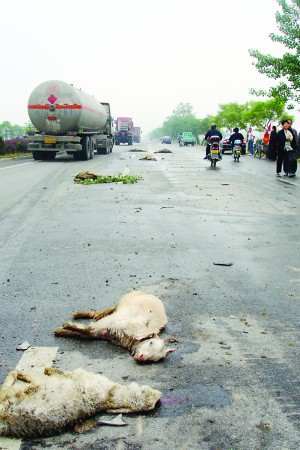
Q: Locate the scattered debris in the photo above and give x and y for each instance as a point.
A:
(164, 150)
(88, 177)
(148, 158)
(24, 346)
(264, 426)
(136, 150)
(223, 264)
(116, 422)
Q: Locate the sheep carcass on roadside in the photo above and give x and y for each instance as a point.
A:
(47, 404)
(133, 323)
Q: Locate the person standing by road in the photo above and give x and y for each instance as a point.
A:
(250, 137)
(271, 154)
(293, 156)
(286, 145)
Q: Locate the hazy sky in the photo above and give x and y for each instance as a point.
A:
(144, 57)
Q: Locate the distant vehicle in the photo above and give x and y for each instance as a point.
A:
(244, 145)
(188, 138)
(136, 134)
(226, 146)
(68, 119)
(123, 130)
(166, 140)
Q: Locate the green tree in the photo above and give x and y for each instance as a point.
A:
(2, 147)
(204, 124)
(286, 69)
(9, 131)
(156, 133)
(261, 113)
(182, 119)
(29, 127)
(183, 109)
(232, 115)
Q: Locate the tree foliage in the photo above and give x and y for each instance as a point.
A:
(261, 113)
(183, 110)
(9, 131)
(287, 68)
(182, 119)
(232, 115)
(255, 113)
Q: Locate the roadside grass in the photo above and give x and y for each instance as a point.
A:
(15, 155)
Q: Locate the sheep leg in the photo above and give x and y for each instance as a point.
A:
(55, 371)
(21, 376)
(96, 315)
(9, 380)
(70, 329)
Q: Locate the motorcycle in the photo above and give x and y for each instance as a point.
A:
(181, 142)
(214, 155)
(237, 150)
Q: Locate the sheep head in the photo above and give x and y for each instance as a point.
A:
(151, 348)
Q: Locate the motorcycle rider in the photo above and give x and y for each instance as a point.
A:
(179, 139)
(236, 136)
(212, 132)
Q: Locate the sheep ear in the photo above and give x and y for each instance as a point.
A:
(170, 350)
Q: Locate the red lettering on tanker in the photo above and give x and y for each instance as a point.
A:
(52, 89)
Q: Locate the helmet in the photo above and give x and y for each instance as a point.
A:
(213, 126)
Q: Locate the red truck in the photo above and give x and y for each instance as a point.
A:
(123, 130)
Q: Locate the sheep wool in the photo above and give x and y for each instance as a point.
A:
(47, 404)
(133, 323)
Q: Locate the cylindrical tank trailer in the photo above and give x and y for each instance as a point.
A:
(68, 119)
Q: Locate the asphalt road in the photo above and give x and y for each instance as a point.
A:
(219, 247)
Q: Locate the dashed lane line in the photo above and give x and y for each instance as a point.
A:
(35, 359)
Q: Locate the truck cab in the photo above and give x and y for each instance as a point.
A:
(188, 138)
(123, 130)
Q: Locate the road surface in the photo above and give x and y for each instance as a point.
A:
(219, 247)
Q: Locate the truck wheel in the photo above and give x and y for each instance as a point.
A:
(92, 148)
(36, 155)
(49, 156)
(86, 148)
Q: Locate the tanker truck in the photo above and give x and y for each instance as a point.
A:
(68, 119)
(136, 134)
(123, 130)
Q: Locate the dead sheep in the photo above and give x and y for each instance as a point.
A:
(133, 323)
(87, 175)
(46, 404)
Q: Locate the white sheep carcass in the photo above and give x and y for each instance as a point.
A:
(34, 405)
(133, 323)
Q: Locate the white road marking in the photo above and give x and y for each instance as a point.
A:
(13, 167)
(35, 359)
